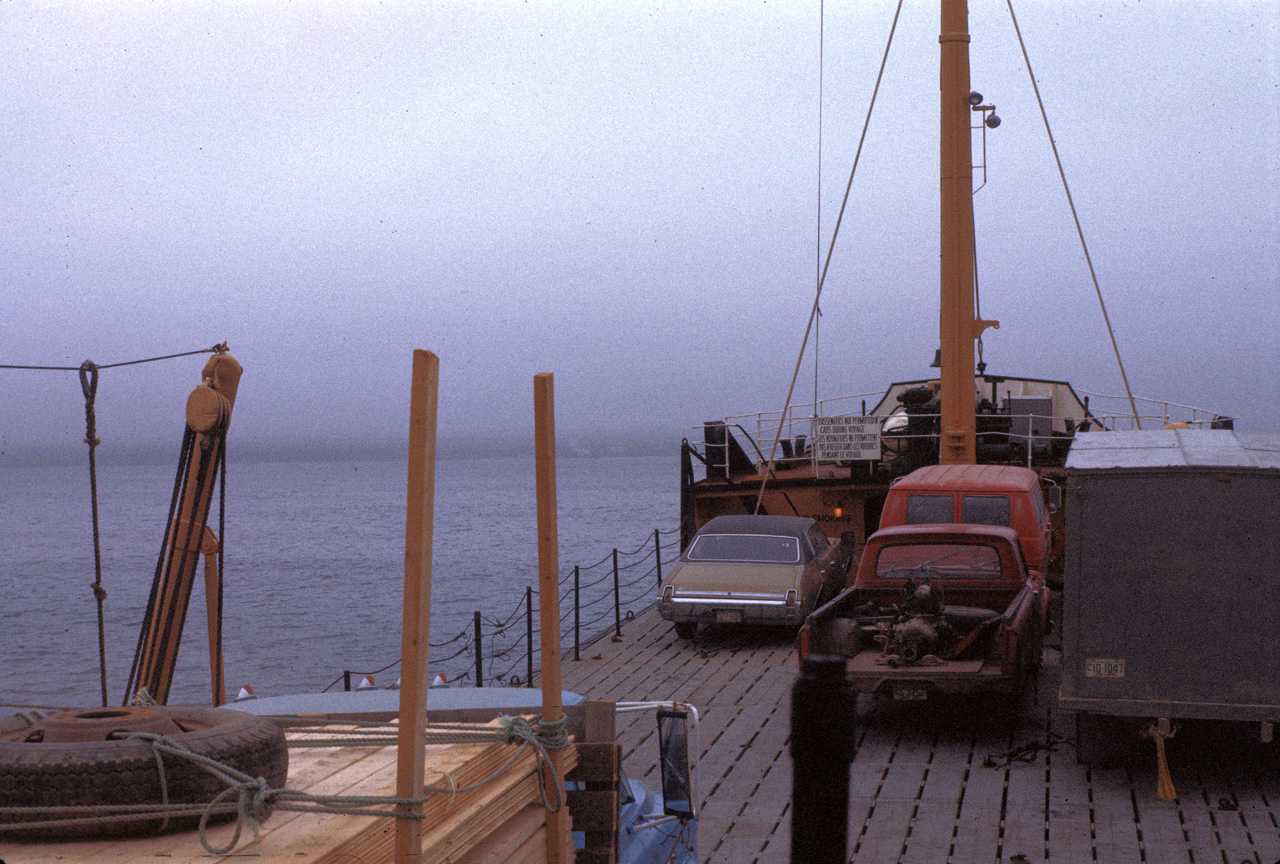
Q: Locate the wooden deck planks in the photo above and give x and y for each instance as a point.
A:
(918, 790)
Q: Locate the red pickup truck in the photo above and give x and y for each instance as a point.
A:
(936, 609)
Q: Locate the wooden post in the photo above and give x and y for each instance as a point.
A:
(419, 525)
(544, 425)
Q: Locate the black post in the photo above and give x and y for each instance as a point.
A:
(657, 553)
(617, 600)
(479, 654)
(577, 598)
(823, 743)
(346, 680)
(528, 631)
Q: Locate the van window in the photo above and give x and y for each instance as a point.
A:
(929, 509)
(985, 510)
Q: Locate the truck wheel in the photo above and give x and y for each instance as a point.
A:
(686, 629)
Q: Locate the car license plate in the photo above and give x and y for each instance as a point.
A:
(910, 692)
(728, 616)
(1098, 668)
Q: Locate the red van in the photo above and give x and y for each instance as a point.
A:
(976, 495)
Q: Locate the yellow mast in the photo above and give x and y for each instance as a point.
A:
(958, 326)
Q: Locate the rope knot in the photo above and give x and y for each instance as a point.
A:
(262, 799)
(552, 735)
(98, 591)
(516, 730)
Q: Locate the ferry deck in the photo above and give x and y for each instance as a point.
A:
(938, 783)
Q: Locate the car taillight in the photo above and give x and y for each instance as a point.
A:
(803, 643)
(668, 593)
(793, 597)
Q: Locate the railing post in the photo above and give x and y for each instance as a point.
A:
(617, 600)
(479, 654)
(528, 631)
(577, 598)
(657, 553)
(346, 680)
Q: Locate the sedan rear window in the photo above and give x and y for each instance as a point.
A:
(753, 548)
(938, 561)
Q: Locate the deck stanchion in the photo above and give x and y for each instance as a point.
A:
(577, 605)
(528, 632)
(823, 744)
(346, 680)
(559, 845)
(479, 654)
(657, 554)
(415, 629)
(617, 600)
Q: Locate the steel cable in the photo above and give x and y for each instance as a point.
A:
(1075, 217)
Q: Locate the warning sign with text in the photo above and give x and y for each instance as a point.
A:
(846, 439)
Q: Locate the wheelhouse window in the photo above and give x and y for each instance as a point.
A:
(929, 509)
(985, 510)
(938, 561)
(750, 548)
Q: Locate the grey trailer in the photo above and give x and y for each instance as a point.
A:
(1171, 596)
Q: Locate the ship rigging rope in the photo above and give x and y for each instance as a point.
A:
(89, 384)
(835, 232)
(164, 616)
(88, 371)
(1133, 405)
(213, 350)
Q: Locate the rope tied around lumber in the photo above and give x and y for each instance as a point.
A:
(251, 799)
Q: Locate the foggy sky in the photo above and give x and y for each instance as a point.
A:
(626, 195)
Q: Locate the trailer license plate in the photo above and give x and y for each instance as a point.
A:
(910, 692)
(1096, 668)
(728, 616)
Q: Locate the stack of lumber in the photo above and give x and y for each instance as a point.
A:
(502, 821)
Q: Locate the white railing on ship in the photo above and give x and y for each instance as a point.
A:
(798, 420)
(797, 426)
(1157, 411)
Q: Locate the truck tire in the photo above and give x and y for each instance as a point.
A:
(70, 759)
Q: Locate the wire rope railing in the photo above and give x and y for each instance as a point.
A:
(498, 647)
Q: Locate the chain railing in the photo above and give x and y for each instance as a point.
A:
(617, 587)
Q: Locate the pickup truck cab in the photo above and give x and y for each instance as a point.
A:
(977, 495)
(936, 609)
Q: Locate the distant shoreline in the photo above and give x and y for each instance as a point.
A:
(568, 446)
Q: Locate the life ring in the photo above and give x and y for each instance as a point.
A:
(76, 758)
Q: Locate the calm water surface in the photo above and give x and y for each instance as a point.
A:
(314, 565)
